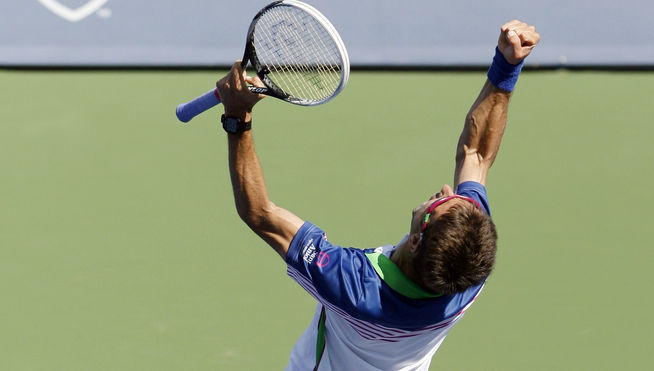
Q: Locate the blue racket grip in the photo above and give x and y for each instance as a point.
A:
(186, 111)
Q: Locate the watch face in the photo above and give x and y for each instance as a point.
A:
(234, 125)
(231, 125)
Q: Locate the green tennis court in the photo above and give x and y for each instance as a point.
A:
(120, 248)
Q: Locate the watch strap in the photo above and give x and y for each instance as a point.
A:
(240, 127)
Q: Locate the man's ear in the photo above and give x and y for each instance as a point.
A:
(414, 242)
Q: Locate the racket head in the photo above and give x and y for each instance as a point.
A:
(297, 53)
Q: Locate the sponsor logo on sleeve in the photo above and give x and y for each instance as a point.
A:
(309, 251)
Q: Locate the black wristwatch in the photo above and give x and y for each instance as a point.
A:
(235, 125)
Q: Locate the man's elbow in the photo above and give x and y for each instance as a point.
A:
(255, 218)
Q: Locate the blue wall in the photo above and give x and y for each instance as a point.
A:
(376, 32)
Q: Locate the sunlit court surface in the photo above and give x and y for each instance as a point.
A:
(120, 247)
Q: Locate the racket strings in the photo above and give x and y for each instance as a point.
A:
(321, 68)
(299, 52)
(284, 74)
(289, 72)
(303, 69)
(332, 50)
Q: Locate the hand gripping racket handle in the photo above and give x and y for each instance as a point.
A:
(186, 111)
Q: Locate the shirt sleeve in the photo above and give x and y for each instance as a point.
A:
(475, 191)
(336, 276)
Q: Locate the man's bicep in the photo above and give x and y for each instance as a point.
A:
(279, 228)
(470, 167)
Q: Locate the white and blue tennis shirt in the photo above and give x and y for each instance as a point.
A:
(370, 316)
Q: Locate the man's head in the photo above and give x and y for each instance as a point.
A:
(453, 243)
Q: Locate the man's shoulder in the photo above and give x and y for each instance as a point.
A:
(365, 284)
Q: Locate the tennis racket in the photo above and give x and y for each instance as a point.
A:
(297, 54)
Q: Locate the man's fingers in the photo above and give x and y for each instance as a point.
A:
(530, 37)
(526, 33)
(513, 39)
(254, 80)
(237, 79)
(528, 41)
(510, 25)
(240, 78)
(236, 70)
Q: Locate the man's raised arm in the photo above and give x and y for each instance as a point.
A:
(273, 224)
(484, 126)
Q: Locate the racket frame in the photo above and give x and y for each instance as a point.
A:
(186, 111)
(271, 89)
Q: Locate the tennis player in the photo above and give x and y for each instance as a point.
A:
(391, 307)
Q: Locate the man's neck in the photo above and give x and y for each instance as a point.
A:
(403, 258)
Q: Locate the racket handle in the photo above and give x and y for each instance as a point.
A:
(186, 111)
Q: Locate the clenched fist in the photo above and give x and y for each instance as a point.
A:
(516, 41)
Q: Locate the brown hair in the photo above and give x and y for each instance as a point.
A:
(457, 250)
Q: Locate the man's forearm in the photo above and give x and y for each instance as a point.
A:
(485, 123)
(482, 133)
(484, 126)
(277, 226)
(250, 194)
